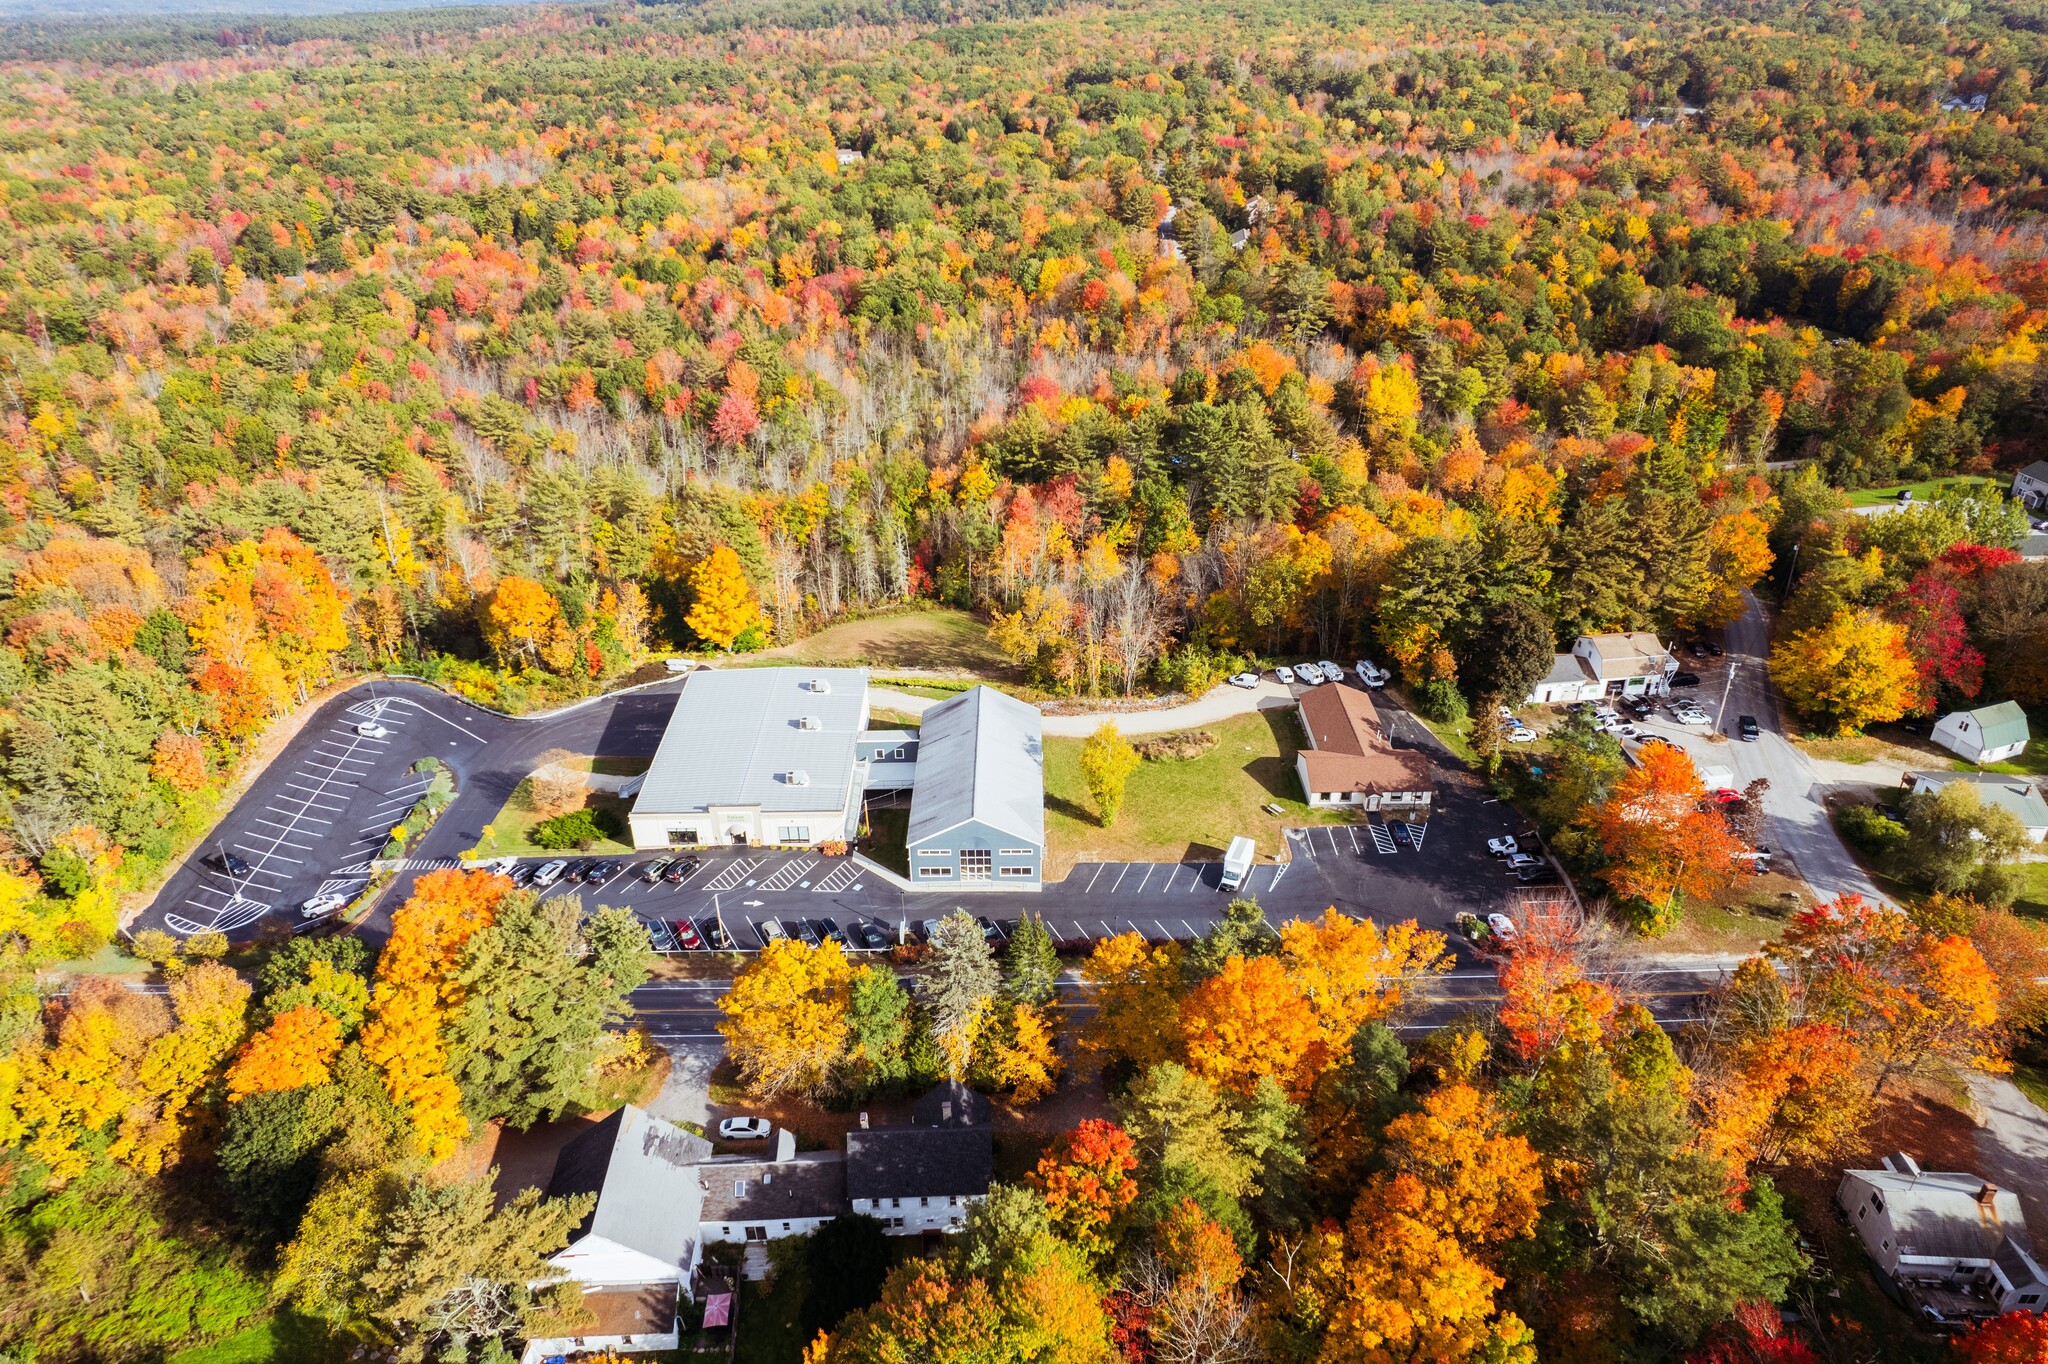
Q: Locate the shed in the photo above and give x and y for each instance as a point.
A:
(1988, 734)
(977, 807)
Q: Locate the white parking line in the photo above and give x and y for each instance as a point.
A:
(310, 819)
(318, 791)
(1120, 877)
(1354, 838)
(1141, 885)
(1169, 879)
(1092, 879)
(262, 856)
(442, 718)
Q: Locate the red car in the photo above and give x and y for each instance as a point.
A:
(1724, 796)
(687, 937)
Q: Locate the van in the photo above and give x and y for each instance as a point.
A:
(1237, 862)
(549, 874)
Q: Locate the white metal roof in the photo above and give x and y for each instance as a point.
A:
(738, 735)
(980, 756)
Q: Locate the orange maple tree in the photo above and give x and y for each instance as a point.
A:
(294, 1051)
(1086, 1181)
(2014, 1338)
(1546, 1001)
(1352, 972)
(1660, 841)
(1251, 1020)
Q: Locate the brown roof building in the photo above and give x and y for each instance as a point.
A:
(1349, 761)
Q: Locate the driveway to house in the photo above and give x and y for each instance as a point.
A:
(1222, 702)
(1796, 821)
(2012, 1144)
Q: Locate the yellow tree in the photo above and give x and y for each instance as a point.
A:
(1107, 760)
(87, 1078)
(786, 1016)
(723, 605)
(212, 1007)
(1251, 1020)
(1352, 972)
(1853, 670)
(517, 619)
(1136, 990)
(1026, 1062)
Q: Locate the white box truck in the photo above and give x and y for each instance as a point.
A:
(1237, 862)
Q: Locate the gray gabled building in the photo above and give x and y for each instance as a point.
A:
(977, 810)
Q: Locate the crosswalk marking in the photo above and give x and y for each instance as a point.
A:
(786, 875)
(1381, 839)
(836, 880)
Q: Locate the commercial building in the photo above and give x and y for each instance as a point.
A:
(1349, 761)
(1628, 664)
(977, 804)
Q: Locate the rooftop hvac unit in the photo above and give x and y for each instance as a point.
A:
(810, 722)
(798, 778)
(819, 684)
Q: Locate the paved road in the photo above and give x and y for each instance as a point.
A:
(1221, 702)
(687, 1010)
(2012, 1142)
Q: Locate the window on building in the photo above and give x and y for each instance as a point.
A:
(977, 864)
(757, 1233)
(955, 1219)
(1887, 1245)
(897, 755)
(895, 1221)
(2029, 1299)
(1016, 852)
(785, 1226)
(934, 852)
(934, 871)
(924, 1202)
(683, 837)
(1877, 1201)
(794, 833)
(1017, 871)
(895, 1202)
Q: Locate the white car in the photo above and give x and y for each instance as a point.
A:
(1245, 680)
(1331, 672)
(370, 729)
(1504, 846)
(1372, 674)
(323, 904)
(1521, 734)
(550, 874)
(1286, 675)
(745, 1129)
(1503, 927)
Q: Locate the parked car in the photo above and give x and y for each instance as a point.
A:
(829, 931)
(601, 873)
(1522, 862)
(1714, 648)
(745, 1129)
(549, 873)
(687, 937)
(1309, 673)
(1685, 679)
(871, 937)
(1521, 734)
(522, 876)
(1331, 672)
(1245, 680)
(1401, 832)
(1727, 795)
(577, 871)
(769, 931)
(653, 870)
(679, 869)
(229, 863)
(322, 904)
(1372, 674)
(1747, 730)
(1538, 876)
(1502, 927)
(989, 932)
(1696, 647)
(926, 928)
(804, 932)
(370, 729)
(715, 933)
(1503, 847)
(1285, 674)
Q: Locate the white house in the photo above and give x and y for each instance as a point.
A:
(2030, 485)
(750, 1200)
(1989, 734)
(1630, 664)
(924, 1177)
(1348, 762)
(1955, 1243)
(2021, 795)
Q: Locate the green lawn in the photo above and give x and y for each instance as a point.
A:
(1925, 491)
(767, 1322)
(512, 827)
(908, 639)
(1182, 810)
(2032, 900)
(285, 1338)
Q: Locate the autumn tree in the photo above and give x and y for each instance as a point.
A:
(210, 1003)
(1659, 842)
(1353, 972)
(293, 1051)
(1776, 1081)
(1086, 1182)
(1250, 1020)
(1852, 670)
(1107, 761)
(786, 1016)
(1185, 1290)
(2012, 1338)
(517, 618)
(1024, 1058)
(1136, 990)
(723, 605)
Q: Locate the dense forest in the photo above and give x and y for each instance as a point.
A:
(511, 348)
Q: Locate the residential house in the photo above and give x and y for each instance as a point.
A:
(1988, 734)
(635, 1252)
(1952, 1244)
(1633, 663)
(1348, 760)
(2019, 794)
(2030, 485)
(923, 1178)
(977, 806)
(750, 1200)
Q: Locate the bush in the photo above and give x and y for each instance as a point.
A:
(1440, 700)
(1190, 743)
(577, 829)
(1874, 835)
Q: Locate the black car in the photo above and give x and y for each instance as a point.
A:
(715, 934)
(1685, 679)
(1746, 729)
(870, 936)
(1697, 648)
(1713, 648)
(1642, 710)
(1538, 876)
(802, 929)
(601, 873)
(680, 870)
(1401, 834)
(829, 930)
(231, 864)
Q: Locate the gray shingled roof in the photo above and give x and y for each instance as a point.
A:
(1936, 1213)
(920, 1162)
(980, 756)
(812, 1185)
(736, 736)
(644, 1173)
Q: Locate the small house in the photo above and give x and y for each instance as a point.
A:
(925, 1176)
(1953, 1244)
(1348, 761)
(2030, 485)
(1633, 663)
(2021, 795)
(1988, 734)
(754, 1201)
